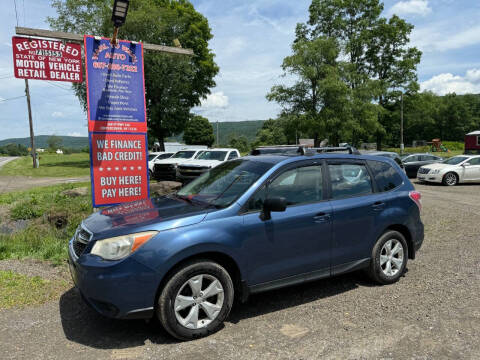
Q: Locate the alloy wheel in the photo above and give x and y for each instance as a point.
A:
(391, 257)
(199, 301)
(450, 179)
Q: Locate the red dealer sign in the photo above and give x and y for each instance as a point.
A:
(41, 59)
(119, 168)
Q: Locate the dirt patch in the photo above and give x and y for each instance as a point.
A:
(30, 267)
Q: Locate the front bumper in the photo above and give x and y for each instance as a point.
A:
(117, 289)
(436, 178)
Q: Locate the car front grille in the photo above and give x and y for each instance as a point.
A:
(423, 171)
(192, 170)
(80, 240)
(164, 167)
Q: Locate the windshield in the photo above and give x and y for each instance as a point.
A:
(183, 155)
(151, 157)
(455, 160)
(212, 155)
(224, 184)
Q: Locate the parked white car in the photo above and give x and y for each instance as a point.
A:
(208, 159)
(166, 169)
(453, 171)
(154, 156)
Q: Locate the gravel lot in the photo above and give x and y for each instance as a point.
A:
(432, 313)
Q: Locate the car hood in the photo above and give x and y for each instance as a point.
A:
(211, 163)
(162, 213)
(173, 161)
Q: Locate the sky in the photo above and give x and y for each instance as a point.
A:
(251, 38)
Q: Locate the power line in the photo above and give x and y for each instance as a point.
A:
(14, 98)
(16, 14)
(59, 86)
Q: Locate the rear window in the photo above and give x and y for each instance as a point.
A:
(386, 177)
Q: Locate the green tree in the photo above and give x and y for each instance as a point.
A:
(377, 60)
(199, 131)
(239, 142)
(14, 150)
(54, 142)
(318, 100)
(174, 83)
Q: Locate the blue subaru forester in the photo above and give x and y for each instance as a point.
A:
(249, 225)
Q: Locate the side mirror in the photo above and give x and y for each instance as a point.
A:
(276, 204)
(466, 164)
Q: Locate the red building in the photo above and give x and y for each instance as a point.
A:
(472, 143)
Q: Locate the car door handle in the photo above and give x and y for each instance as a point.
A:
(321, 217)
(378, 206)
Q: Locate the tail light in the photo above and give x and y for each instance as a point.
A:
(417, 198)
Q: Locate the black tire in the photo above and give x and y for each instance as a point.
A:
(446, 179)
(375, 270)
(166, 300)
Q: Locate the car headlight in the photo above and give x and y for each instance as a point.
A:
(119, 247)
(435, 172)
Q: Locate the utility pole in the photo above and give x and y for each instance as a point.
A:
(32, 138)
(402, 146)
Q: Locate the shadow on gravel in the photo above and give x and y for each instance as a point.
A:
(85, 326)
(276, 300)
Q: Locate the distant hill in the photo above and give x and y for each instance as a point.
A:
(226, 129)
(73, 142)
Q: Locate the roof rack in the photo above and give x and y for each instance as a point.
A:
(351, 149)
(279, 150)
(301, 150)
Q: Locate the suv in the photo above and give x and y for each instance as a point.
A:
(249, 225)
(167, 169)
(207, 160)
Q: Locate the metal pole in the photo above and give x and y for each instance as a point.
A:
(217, 134)
(402, 146)
(32, 138)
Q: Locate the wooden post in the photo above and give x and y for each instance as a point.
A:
(32, 137)
(79, 39)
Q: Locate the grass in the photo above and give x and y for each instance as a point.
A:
(425, 149)
(51, 165)
(42, 206)
(17, 290)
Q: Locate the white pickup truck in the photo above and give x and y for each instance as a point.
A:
(166, 169)
(191, 169)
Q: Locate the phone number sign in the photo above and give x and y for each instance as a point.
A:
(115, 85)
(119, 168)
(40, 59)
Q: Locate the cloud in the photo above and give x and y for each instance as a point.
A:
(448, 83)
(411, 7)
(235, 46)
(215, 100)
(57, 114)
(76, 134)
(435, 38)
